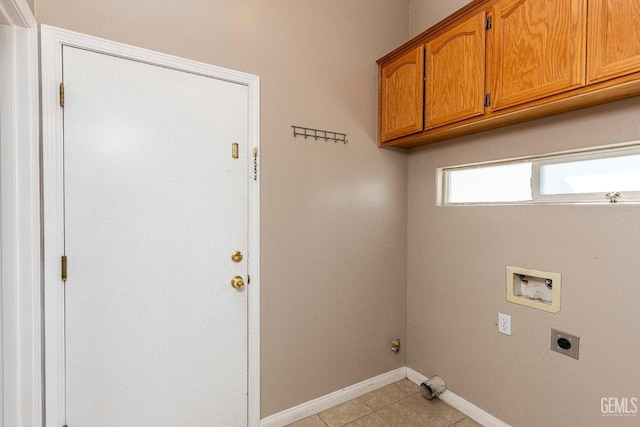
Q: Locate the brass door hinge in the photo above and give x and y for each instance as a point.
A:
(63, 268)
(235, 149)
(62, 95)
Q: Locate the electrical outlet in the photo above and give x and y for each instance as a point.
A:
(504, 324)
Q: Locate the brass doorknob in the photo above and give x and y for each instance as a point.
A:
(236, 256)
(237, 282)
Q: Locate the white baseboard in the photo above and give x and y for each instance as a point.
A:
(467, 408)
(341, 396)
(330, 400)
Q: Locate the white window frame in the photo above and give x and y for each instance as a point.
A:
(595, 197)
(537, 162)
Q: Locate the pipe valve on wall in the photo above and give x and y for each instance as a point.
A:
(395, 345)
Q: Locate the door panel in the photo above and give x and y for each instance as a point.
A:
(154, 207)
(402, 95)
(456, 73)
(539, 49)
(614, 39)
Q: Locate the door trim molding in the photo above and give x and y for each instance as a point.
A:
(20, 311)
(52, 41)
(16, 13)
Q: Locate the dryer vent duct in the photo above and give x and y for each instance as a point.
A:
(432, 387)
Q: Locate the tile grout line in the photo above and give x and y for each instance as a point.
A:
(374, 411)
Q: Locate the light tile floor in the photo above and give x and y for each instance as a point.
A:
(397, 405)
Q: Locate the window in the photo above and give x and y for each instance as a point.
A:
(602, 175)
(508, 182)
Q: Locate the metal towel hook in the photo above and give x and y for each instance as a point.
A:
(319, 134)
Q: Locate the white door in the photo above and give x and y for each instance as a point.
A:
(154, 206)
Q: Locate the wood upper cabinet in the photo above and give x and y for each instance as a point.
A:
(402, 95)
(539, 49)
(456, 73)
(533, 58)
(614, 39)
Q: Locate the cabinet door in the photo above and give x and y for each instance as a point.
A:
(614, 39)
(539, 49)
(456, 73)
(401, 95)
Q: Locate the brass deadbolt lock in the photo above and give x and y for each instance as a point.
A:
(237, 282)
(236, 256)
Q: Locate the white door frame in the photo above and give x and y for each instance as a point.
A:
(20, 284)
(52, 40)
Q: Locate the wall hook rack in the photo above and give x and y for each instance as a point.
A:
(319, 134)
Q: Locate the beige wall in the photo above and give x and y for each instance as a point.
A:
(426, 13)
(456, 281)
(456, 278)
(333, 215)
(335, 229)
